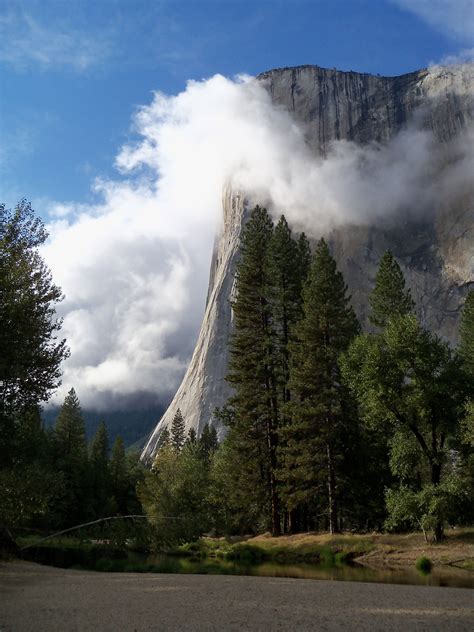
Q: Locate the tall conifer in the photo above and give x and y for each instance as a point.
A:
(71, 460)
(252, 371)
(177, 435)
(119, 476)
(389, 296)
(99, 470)
(320, 406)
(466, 334)
(285, 298)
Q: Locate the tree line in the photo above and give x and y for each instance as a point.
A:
(329, 427)
(49, 479)
(54, 479)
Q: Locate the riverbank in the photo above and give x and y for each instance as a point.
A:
(369, 549)
(45, 599)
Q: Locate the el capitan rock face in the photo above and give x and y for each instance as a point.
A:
(436, 254)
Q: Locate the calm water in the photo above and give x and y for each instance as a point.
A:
(104, 560)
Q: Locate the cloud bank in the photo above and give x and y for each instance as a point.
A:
(134, 267)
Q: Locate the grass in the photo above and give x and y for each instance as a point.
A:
(308, 548)
(323, 548)
(59, 543)
(303, 548)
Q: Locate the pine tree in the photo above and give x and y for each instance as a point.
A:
(304, 261)
(286, 262)
(208, 442)
(99, 450)
(164, 439)
(70, 431)
(178, 427)
(71, 460)
(99, 466)
(118, 476)
(389, 296)
(192, 436)
(252, 371)
(320, 407)
(466, 334)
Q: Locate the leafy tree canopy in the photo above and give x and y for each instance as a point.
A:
(30, 352)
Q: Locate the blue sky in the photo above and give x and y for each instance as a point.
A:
(74, 72)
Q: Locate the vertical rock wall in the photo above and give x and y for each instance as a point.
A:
(437, 255)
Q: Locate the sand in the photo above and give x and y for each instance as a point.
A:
(40, 598)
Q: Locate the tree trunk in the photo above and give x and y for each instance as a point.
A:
(276, 526)
(333, 525)
(435, 479)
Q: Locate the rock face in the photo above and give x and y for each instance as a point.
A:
(437, 256)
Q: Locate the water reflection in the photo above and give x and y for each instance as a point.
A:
(103, 560)
(440, 576)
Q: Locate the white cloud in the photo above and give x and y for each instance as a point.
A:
(454, 18)
(134, 267)
(466, 55)
(25, 41)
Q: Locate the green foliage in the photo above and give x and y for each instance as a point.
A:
(28, 494)
(410, 383)
(192, 436)
(174, 495)
(425, 509)
(389, 296)
(287, 267)
(320, 410)
(253, 433)
(424, 565)
(30, 352)
(100, 475)
(208, 442)
(177, 435)
(467, 425)
(466, 335)
(119, 479)
(71, 458)
(235, 506)
(69, 431)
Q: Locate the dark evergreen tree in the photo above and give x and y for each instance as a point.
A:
(118, 476)
(164, 439)
(254, 433)
(466, 335)
(99, 472)
(320, 408)
(286, 261)
(389, 296)
(69, 431)
(208, 442)
(71, 460)
(192, 436)
(177, 435)
(304, 261)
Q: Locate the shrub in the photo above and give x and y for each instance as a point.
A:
(424, 565)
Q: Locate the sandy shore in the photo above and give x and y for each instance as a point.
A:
(39, 598)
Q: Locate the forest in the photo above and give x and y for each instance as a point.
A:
(329, 428)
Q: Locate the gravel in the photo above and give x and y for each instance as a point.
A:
(40, 598)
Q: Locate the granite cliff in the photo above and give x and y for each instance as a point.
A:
(436, 251)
